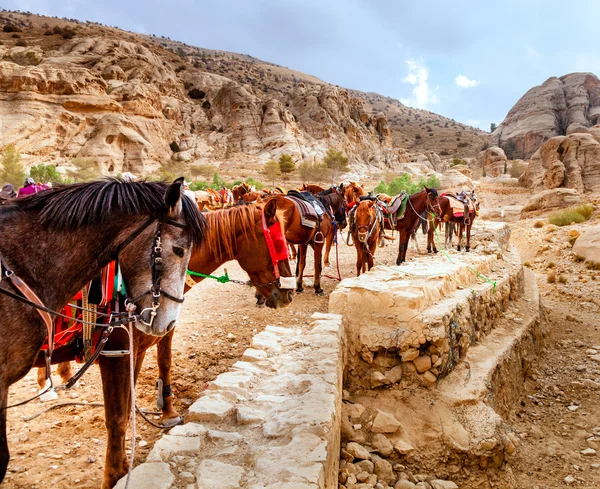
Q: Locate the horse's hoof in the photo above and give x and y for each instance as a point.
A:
(435, 250)
(299, 290)
(467, 249)
(170, 422)
(320, 293)
(398, 263)
(76, 385)
(51, 395)
(326, 264)
(458, 248)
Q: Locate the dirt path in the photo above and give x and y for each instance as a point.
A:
(559, 415)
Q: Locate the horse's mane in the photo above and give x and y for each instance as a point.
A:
(227, 224)
(66, 207)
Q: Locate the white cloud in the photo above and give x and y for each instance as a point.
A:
(463, 82)
(473, 122)
(533, 53)
(417, 76)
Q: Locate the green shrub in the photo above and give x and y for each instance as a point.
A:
(218, 182)
(45, 173)
(404, 182)
(457, 161)
(517, 169)
(11, 28)
(22, 43)
(257, 184)
(203, 185)
(11, 168)
(571, 215)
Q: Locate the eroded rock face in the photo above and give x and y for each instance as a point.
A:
(492, 161)
(122, 104)
(552, 199)
(571, 161)
(558, 107)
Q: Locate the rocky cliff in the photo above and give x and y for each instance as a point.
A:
(557, 107)
(82, 90)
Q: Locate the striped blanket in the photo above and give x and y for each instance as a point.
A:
(308, 214)
(458, 207)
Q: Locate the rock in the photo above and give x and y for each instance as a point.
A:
(569, 479)
(552, 199)
(358, 451)
(378, 379)
(212, 473)
(405, 485)
(554, 175)
(429, 378)
(493, 161)
(385, 423)
(588, 452)
(440, 484)
(410, 354)
(383, 470)
(571, 99)
(353, 410)
(455, 180)
(366, 466)
(210, 407)
(596, 358)
(382, 445)
(588, 243)
(394, 374)
(422, 363)
(150, 476)
(403, 448)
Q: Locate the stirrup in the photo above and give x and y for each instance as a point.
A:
(316, 240)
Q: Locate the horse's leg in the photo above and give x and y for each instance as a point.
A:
(164, 360)
(4, 454)
(359, 257)
(403, 241)
(318, 256)
(66, 372)
(328, 244)
(430, 244)
(371, 254)
(117, 406)
(460, 235)
(468, 247)
(300, 265)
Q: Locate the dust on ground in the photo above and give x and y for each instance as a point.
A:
(65, 448)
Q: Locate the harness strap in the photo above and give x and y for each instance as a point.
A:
(32, 297)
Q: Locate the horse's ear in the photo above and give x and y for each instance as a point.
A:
(173, 198)
(371, 203)
(270, 211)
(258, 200)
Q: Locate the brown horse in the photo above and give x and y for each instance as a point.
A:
(240, 190)
(352, 193)
(297, 234)
(445, 214)
(233, 234)
(366, 233)
(312, 188)
(425, 200)
(76, 230)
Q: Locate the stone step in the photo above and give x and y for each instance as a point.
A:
(394, 339)
(462, 423)
(272, 421)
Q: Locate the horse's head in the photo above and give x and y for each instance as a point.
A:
(432, 201)
(265, 257)
(364, 219)
(154, 261)
(338, 206)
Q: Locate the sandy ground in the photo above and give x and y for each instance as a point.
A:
(65, 448)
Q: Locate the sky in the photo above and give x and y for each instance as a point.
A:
(469, 60)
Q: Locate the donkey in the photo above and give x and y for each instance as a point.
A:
(149, 228)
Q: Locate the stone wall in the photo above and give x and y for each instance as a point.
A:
(271, 422)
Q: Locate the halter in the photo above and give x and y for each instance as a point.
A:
(369, 227)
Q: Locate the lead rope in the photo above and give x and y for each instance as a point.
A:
(132, 389)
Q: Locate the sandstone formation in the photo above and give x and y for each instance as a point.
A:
(492, 161)
(552, 199)
(455, 180)
(558, 107)
(588, 244)
(571, 161)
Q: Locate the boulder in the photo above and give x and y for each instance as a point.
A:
(492, 161)
(385, 423)
(455, 180)
(554, 175)
(588, 243)
(358, 451)
(552, 199)
(382, 445)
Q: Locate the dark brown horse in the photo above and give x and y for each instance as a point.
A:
(425, 200)
(56, 242)
(352, 193)
(366, 233)
(445, 214)
(233, 234)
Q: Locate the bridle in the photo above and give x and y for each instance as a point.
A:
(157, 270)
(369, 228)
(429, 207)
(278, 251)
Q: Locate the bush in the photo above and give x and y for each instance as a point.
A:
(539, 224)
(48, 33)
(255, 183)
(313, 172)
(86, 169)
(57, 30)
(571, 215)
(16, 36)
(517, 169)
(205, 171)
(174, 147)
(336, 162)
(457, 161)
(562, 279)
(271, 171)
(286, 165)
(11, 168)
(203, 185)
(404, 182)
(463, 145)
(21, 42)
(551, 277)
(11, 28)
(45, 173)
(592, 265)
(579, 258)
(68, 33)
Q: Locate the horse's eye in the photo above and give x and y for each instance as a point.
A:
(178, 251)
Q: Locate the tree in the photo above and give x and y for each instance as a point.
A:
(12, 169)
(336, 162)
(286, 165)
(45, 173)
(271, 171)
(205, 171)
(86, 169)
(173, 170)
(493, 127)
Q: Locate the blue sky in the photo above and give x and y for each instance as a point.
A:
(468, 60)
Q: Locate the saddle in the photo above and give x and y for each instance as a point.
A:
(310, 199)
(462, 205)
(397, 206)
